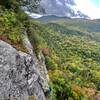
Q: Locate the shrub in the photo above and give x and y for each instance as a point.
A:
(50, 63)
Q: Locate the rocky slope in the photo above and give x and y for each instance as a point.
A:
(21, 74)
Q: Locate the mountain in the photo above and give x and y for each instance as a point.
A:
(78, 25)
(48, 18)
(62, 8)
(86, 24)
(88, 27)
(63, 49)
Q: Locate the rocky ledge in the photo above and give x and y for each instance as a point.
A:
(21, 74)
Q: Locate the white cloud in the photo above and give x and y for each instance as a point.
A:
(58, 2)
(88, 8)
(33, 15)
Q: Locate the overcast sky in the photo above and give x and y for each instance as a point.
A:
(89, 7)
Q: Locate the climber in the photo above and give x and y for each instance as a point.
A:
(45, 87)
(48, 92)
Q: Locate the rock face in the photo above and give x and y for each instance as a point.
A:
(21, 74)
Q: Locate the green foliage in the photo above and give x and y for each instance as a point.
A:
(11, 26)
(72, 56)
(63, 89)
(76, 56)
(10, 4)
(50, 63)
(9, 19)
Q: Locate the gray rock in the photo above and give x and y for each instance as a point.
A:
(40, 67)
(20, 74)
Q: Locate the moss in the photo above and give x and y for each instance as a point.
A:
(32, 98)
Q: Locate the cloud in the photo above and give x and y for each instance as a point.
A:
(87, 7)
(57, 7)
(33, 15)
(71, 8)
(61, 8)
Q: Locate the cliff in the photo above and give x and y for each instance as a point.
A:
(21, 74)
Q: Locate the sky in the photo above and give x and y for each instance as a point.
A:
(89, 7)
(69, 8)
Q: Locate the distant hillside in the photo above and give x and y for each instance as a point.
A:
(49, 18)
(72, 58)
(85, 24)
(90, 25)
(77, 26)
